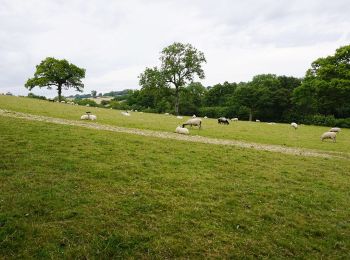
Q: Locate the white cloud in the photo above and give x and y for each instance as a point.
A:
(116, 40)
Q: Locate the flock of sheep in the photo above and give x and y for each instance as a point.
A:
(195, 121)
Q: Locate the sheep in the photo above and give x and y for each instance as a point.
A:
(294, 125)
(63, 101)
(194, 116)
(329, 135)
(234, 119)
(257, 120)
(335, 129)
(125, 113)
(166, 114)
(205, 117)
(193, 121)
(88, 117)
(223, 120)
(182, 130)
(271, 123)
(179, 117)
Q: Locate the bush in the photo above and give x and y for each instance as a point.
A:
(31, 95)
(213, 112)
(84, 102)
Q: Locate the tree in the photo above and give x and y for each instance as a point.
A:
(326, 86)
(180, 63)
(59, 73)
(93, 93)
(220, 94)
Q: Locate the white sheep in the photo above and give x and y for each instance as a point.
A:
(88, 117)
(194, 116)
(335, 129)
(205, 117)
(182, 130)
(193, 121)
(234, 119)
(294, 125)
(125, 113)
(257, 120)
(329, 135)
(166, 114)
(179, 117)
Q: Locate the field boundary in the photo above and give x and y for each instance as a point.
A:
(174, 136)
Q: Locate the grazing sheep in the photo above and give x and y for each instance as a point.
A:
(179, 117)
(234, 119)
(193, 121)
(182, 130)
(223, 120)
(205, 117)
(335, 129)
(329, 135)
(257, 120)
(125, 113)
(271, 123)
(294, 125)
(166, 114)
(194, 116)
(88, 117)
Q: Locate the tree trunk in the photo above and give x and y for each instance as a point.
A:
(250, 115)
(59, 89)
(177, 101)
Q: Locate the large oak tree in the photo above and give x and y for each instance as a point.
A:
(180, 64)
(61, 74)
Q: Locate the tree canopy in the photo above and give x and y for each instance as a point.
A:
(326, 86)
(180, 63)
(58, 73)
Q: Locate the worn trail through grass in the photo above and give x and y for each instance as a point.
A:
(174, 136)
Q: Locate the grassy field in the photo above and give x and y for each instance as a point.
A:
(280, 134)
(71, 192)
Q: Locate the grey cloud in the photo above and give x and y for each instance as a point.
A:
(114, 40)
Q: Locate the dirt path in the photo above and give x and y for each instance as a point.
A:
(174, 136)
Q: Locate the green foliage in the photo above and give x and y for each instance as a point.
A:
(86, 101)
(52, 72)
(94, 93)
(213, 112)
(32, 95)
(326, 87)
(220, 94)
(180, 63)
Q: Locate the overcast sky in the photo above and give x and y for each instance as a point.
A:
(115, 40)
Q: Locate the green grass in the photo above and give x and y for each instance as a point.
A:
(280, 134)
(71, 192)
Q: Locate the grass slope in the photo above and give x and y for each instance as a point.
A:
(78, 193)
(280, 134)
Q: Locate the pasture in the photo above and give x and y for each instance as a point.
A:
(278, 134)
(71, 192)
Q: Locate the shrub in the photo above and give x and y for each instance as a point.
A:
(31, 95)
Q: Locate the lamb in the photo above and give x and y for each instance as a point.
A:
(182, 130)
(234, 119)
(294, 125)
(329, 135)
(223, 120)
(193, 121)
(335, 129)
